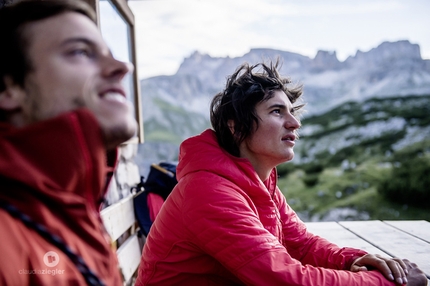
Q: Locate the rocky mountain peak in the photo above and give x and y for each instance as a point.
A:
(326, 60)
(197, 59)
(387, 52)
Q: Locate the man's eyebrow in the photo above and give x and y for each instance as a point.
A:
(277, 105)
(78, 40)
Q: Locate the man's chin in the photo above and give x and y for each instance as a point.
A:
(116, 135)
(289, 157)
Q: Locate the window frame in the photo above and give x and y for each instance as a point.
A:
(126, 13)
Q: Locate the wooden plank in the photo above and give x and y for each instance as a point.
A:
(393, 241)
(418, 228)
(118, 217)
(337, 234)
(129, 257)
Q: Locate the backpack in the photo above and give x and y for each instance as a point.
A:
(152, 193)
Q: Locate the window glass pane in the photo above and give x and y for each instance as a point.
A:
(116, 32)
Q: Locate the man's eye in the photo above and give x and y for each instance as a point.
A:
(81, 53)
(277, 111)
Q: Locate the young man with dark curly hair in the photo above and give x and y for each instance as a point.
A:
(227, 223)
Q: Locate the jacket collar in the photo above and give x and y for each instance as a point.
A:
(203, 153)
(63, 159)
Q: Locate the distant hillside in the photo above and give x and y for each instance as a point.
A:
(355, 130)
(346, 156)
(176, 107)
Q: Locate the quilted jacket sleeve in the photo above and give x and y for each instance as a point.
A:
(224, 224)
(309, 248)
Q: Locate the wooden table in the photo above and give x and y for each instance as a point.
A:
(403, 239)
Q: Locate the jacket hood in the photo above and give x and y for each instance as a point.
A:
(62, 159)
(203, 153)
(54, 172)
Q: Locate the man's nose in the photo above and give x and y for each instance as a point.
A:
(292, 122)
(114, 68)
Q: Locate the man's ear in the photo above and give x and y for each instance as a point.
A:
(11, 97)
(230, 124)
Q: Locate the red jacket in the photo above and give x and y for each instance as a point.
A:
(54, 172)
(222, 225)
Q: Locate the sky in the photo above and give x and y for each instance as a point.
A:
(168, 31)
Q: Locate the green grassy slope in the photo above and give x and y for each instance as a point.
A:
(348, 182)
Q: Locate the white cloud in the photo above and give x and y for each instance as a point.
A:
(169, 30)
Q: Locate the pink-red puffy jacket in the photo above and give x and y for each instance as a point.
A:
(222, 225)
(54, 172)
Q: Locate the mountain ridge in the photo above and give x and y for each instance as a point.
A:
(177, 106)
(389, 69)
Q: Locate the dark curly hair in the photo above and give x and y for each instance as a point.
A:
(245, 88)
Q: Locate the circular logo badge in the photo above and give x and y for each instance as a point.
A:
(51, 259)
